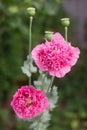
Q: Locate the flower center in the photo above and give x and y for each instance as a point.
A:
(29, 102)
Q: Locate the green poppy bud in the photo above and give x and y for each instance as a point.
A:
(48, 35)
(65, 22)
(31, 11)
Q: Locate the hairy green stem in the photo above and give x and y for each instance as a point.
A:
(43, 80)
(30, 28)
(51, 82)
(39, 122)
(66, 31)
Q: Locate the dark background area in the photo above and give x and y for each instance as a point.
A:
(71, 111)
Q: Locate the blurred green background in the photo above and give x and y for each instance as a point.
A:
(71, 111)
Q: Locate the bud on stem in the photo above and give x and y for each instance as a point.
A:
(31, 11)
(65, 22)
(48, 35)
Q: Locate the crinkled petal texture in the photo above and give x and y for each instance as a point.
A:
(29, 102)
(56, 57)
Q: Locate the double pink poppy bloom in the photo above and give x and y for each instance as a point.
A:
(56, 57)
(28, 102)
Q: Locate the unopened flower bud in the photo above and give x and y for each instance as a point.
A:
(31, 11)
(65, 22)
(48, 35)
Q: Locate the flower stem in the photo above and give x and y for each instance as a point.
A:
(39, 122)
(30, 28)
(51, 82)
(66, 31)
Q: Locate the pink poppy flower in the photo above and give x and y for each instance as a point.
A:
(29, 102)
(56, 57)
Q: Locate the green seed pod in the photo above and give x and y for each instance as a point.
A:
(48, 35)
(31, 11)
(65, 22)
